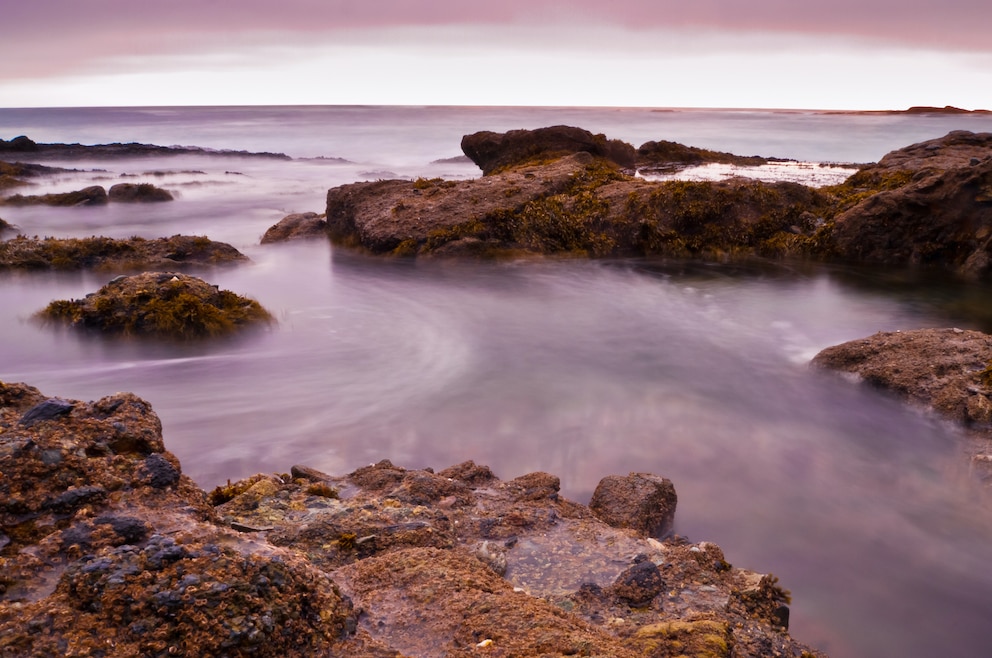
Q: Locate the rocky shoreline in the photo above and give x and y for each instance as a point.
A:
(107, 548)
(563, 191)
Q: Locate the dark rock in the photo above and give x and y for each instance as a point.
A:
(665, 156)
(129, 528)
(496, 151)
(20, 144)
(75, 497)
(639, 584)
(138, 193)
(111, 254)
(298, 226)
(48, 410)
(639, 501)
(940, 217)
(160, 473)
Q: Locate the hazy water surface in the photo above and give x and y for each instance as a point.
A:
(863, 507)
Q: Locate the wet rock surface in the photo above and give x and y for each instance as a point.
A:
(564, 191)
(946, 370)
(164, 305)
(108, 551)
(298, 226)
(112, 254)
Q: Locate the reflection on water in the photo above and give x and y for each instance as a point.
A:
(862, 506)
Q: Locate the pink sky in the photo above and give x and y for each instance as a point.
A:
(841, 54)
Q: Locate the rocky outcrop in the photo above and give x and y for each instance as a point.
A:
(666, 157)
(937, 210)
(138, 193)
(640, 501)
(495, 152)
(298, 226)
(14, 174)
(575, 205)
(111, 254)
(105, 546)
(949, 370)
(162, 305)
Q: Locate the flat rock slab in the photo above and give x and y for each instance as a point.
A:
(949, 370)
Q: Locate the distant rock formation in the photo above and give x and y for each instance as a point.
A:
(498, 151)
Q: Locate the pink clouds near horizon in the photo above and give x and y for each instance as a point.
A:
(70, 42)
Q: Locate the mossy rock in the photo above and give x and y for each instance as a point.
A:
(160, 305)
(138, 193)
(95, 195)
(687, 639)
(112, 254)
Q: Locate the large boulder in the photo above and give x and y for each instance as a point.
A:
(162, 305)
(937, 209)
(498, 151)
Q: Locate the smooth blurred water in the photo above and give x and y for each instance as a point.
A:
(699, 372)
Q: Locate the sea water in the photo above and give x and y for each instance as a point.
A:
(864, 507)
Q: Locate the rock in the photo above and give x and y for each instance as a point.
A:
(639, 584)
(48, 410)
(665, 156)
(20, 144)
(109, 254)
(138, 193)
(640, 501)
(939, 217)
(402, 562)
(496, 151)
(160, 305)
(297, 226)
(947, 370)
(94, 195)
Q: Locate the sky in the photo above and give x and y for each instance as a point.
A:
(802, 54)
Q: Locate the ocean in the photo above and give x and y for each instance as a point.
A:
(864, 508)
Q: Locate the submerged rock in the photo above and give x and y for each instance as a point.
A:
(110, 545)
(160, 305)
(111, 254)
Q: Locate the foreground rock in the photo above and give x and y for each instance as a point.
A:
(110, 254)
(161, 305)
(108, 548)
(945, 370)
(14, 174)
